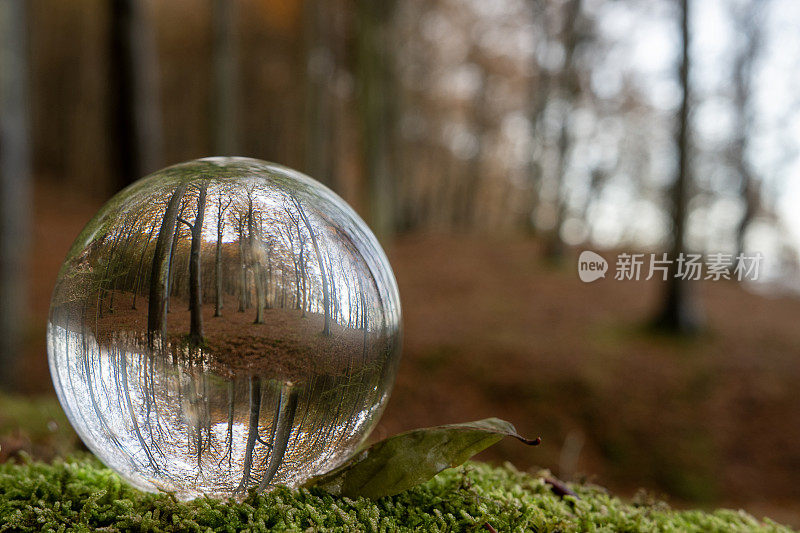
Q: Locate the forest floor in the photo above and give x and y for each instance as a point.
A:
(491, 329)
(286, 346)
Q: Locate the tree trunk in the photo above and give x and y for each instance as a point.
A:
(283, 287)
(254, 265)
(679, 313)
(320, 69)
(226, 79)
(171, 272)
(555, 245)
(376, 98)
(195, 264)
(282, 430)
(132, 416)
(472, 180)
(218, 258)
(107, 273)
(749, 26)
(268, 280)
(296, 263)
(218, 276)
(133, 90)
(231, 413)
(119, 269)
(159, 278)
(326, 328)
(242, 269)
(363, 320)
(137, 283)
(335, 312)
(303, 303)
(538, 91)
(14, 187)
(568, 91)
(252, 432)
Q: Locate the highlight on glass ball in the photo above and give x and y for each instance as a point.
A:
(221, 325)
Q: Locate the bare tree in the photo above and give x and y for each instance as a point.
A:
(319, 104)
(108, 272)
(226, 77)
(296, 263)
(253, 255)
(326, 328)
(14, 184)
(122, 268)
(252, 431)
(239, 218)
(748, 21)
(229, 433)
(195, 259)
(303, 301)
(133, 89)
(678, 313)
(122, 368)
(376, 87)
(465, 208)
(159, 279)
(172, 250)
(567, 91)
(537, 101)
(334, 290)
(137, 282)
(281, 431)
(299, 261)
(218, 256)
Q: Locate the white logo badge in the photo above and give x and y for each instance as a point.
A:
(591, 266)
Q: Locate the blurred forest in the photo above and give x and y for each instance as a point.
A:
(484, 143)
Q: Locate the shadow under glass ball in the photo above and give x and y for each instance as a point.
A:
(224, 324)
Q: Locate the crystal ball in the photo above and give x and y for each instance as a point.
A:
(221, 325)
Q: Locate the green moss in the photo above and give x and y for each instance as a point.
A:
(80, 494)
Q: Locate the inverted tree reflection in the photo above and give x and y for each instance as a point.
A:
(276, 387)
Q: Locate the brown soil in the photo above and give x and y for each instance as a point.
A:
(491, 330)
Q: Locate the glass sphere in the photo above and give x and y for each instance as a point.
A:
(222, 324)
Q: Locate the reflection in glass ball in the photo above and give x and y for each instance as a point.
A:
(224, 324)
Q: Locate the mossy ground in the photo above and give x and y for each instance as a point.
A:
(39, 493)
(80, 494)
